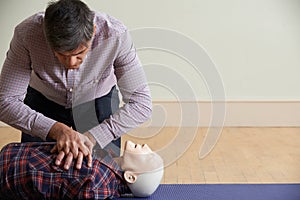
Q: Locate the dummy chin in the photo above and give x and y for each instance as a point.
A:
(143, 185)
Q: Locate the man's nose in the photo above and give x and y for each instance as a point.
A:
(72, 60)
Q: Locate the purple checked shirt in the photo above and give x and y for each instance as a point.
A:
(111, 60)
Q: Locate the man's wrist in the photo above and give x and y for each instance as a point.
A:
(54, 130)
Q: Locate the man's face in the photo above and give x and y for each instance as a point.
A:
(73, 59)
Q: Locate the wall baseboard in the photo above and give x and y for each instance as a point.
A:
(238, 114)
(263, 113)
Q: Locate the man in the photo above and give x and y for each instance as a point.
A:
(58, 82)
(28, 172)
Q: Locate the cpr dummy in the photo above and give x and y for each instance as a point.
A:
(143, 168)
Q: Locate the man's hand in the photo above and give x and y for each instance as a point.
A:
(70, 145)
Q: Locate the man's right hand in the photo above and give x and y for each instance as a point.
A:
(70, 145)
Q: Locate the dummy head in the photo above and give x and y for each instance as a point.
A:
(143, 168)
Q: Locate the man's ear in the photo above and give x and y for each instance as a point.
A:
(130, 177)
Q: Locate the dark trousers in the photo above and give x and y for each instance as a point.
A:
(81, 118)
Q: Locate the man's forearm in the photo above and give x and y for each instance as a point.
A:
(18, 115)
(130, 116)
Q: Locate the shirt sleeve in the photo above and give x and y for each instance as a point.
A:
(133, 86)
(14, 81)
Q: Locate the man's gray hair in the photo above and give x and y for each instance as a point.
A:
(68, 24)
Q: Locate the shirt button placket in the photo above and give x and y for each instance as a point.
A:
(70, 87)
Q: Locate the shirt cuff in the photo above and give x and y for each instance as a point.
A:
(42, 126)
(102, 134)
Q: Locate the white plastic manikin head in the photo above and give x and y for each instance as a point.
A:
(143, 168)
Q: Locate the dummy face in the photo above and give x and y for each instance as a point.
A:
(73, 59)
(143, 168)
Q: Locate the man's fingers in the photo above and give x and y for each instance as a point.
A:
(85, 150)
(89, 145)
(67, 150)
(54, 149)
(59, 157)
(71, 146)
(63, 146)
(74, 150)
(90, 160)
(68, 161)
(79, 160)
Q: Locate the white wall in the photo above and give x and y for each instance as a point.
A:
(254, 44)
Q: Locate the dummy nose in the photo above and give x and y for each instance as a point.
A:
(129, 145)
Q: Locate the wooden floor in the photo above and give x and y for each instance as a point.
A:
(242, 155)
